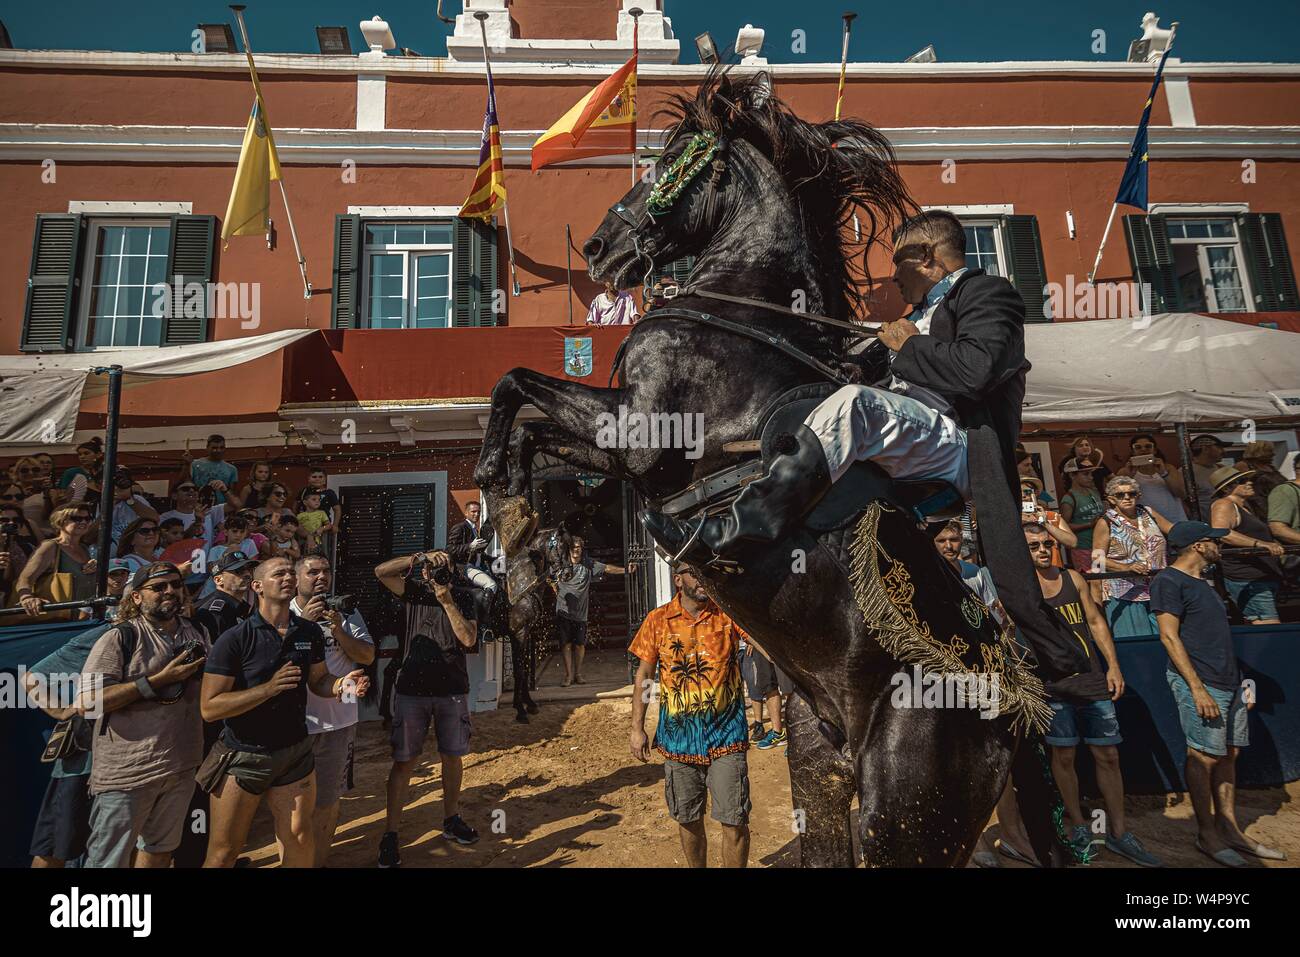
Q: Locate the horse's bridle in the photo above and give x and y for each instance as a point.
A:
(703, 149)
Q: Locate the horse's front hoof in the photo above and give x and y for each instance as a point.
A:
(521, 718)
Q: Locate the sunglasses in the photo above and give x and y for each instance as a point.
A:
(1124, 495)
(11, 498)
(80, 518)
(165, 587)
(187, 488)
(1040, 546)
(147, 529)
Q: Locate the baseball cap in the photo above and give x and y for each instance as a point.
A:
(118, 565)
(1187, 533)
(151, 571)
(232, 561)
(1204, 439)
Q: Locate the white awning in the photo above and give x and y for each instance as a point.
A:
(40, 394)
(1178, 367)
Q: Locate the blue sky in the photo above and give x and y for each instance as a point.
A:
(959, 29)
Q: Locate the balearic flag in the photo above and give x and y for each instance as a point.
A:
(602, 123)
(488, 194)
(248, 212)
(1133, 184)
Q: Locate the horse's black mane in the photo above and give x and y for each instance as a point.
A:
(833, 170)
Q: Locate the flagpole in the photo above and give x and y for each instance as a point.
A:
(635, 14)
(239, 8)
(848, 19)
(568, 266)
(1096, 264)
(481, 17)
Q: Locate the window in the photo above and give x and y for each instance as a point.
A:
(1208, 264)
(984, 247)
(126, 259)
(408, 275)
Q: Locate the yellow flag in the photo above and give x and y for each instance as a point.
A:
(250, 198)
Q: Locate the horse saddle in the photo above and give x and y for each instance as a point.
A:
(930, 500)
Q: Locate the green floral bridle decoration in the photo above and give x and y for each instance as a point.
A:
(697, 155)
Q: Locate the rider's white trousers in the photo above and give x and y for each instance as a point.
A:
(906, 438)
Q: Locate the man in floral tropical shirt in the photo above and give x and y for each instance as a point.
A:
(701, 730)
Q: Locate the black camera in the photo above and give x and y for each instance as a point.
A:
(441, 575)
(122, 481)
(343, 604)
(193, 651)
(9, 528)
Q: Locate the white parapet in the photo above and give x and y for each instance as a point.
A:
(655, 38)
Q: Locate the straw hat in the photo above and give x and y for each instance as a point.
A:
(1259, 452)
(1033, 480)
(1226, 476)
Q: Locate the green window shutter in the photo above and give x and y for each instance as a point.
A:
(52, 282)
(1268, 260)
(345, 308)
(1024, 265)
(190, 249)
(474, 273)
(680, 269)
(1153, 260)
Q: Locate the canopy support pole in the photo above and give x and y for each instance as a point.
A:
(107, 488)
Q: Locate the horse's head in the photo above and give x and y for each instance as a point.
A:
(759, 196)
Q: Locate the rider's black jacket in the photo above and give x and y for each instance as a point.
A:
(974, 355)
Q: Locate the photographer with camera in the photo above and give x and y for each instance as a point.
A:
(432, 687)
(331, 724)
(257, 681)
(129, 503)
(149, 739)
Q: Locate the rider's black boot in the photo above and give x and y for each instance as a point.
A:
(767, 511)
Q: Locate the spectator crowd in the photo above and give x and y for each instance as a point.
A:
(230, 678)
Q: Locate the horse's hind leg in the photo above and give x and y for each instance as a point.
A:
(928, 781)
(821, 788)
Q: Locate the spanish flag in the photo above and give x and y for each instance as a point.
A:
(602, 123)
(488, 194)
(248, 212)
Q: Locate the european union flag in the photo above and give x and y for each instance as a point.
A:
(1133, 185)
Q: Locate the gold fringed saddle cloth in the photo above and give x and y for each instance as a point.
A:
(884, 590)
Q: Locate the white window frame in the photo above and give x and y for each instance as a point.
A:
(95, 225)
(408, 251)
(1202, 261)
(999, 246)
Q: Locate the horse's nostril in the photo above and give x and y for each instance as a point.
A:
(593, 247)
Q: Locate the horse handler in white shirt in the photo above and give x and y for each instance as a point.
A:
(331, 722)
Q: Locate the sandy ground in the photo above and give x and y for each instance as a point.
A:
(564, 791)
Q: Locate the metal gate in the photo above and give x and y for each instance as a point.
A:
(638, 548)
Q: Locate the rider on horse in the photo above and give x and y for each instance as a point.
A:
(947, 384)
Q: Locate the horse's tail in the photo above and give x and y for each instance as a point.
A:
(1039, 801)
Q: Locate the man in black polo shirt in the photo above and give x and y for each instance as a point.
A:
(254, 682)
(216, 614)
(225, 608)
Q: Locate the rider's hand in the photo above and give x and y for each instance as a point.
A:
(894, 334)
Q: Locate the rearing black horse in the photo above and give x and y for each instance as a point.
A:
(765, 202)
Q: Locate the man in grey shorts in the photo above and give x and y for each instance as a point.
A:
(701, 736)
(331, 723)
(150, 739)
(432, 687)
